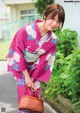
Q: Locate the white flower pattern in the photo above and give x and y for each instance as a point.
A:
(31, 32)
(41, 51)
(10, 61)
(50, 58)
(43, 39)
(15, 57)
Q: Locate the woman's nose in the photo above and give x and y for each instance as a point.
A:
(55, 23)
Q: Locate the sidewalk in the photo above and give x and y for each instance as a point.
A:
(8, 93)
(3, 67)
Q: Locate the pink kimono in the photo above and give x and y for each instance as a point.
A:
(30, 51)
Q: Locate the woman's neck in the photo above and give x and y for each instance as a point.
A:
(42, 28)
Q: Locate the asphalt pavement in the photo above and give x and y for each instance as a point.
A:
(8, 93)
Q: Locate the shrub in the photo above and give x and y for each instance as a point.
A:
(67, 41)
(65, 78)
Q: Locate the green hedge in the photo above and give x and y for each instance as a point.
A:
(65, 78)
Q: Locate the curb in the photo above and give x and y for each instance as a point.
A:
(57, 108)
(50, 108)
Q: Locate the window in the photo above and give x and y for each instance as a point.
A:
(27, 16)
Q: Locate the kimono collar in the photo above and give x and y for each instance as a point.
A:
(37, 21)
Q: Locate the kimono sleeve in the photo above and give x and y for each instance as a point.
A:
(15, 57)
(42, 69)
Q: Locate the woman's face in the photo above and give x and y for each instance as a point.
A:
(51, 24)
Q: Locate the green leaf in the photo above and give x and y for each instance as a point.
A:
(42, 4)
(70, 92)
(64, 75)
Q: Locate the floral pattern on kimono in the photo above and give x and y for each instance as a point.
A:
(29, 50)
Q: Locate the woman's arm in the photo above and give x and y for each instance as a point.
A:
(29, 81)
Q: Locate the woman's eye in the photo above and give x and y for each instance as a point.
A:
(59, 21)
(53, 18)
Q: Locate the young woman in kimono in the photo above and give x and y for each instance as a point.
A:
(32, 52)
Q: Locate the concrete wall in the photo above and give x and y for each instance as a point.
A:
(9, 2)
(72, 10)
(15, 10)
(15, 14)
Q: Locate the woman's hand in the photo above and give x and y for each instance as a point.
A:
(29, 81)
(30, 84)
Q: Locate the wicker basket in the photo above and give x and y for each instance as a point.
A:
(30, 103)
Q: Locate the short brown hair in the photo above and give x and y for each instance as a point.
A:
(54, 9)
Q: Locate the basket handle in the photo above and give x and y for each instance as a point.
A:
(35, 93)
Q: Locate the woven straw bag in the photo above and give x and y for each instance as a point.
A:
(31, 103)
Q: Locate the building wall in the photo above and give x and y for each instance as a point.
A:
(23, 7)
(15, 14)
(4, 20)
(72, 11)
(11, 2)
(15, 10)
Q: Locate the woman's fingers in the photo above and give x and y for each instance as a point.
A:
(32, 79)
(29, 85)
(32, 86)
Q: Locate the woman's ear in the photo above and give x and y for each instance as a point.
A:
(44, 17)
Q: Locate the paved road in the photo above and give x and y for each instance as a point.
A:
(8, 94)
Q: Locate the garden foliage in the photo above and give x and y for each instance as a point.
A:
(42, 4)
(65, 78)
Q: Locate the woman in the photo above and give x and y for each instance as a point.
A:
(32, 52)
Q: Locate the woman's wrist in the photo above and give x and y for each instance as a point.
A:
(26, 74)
